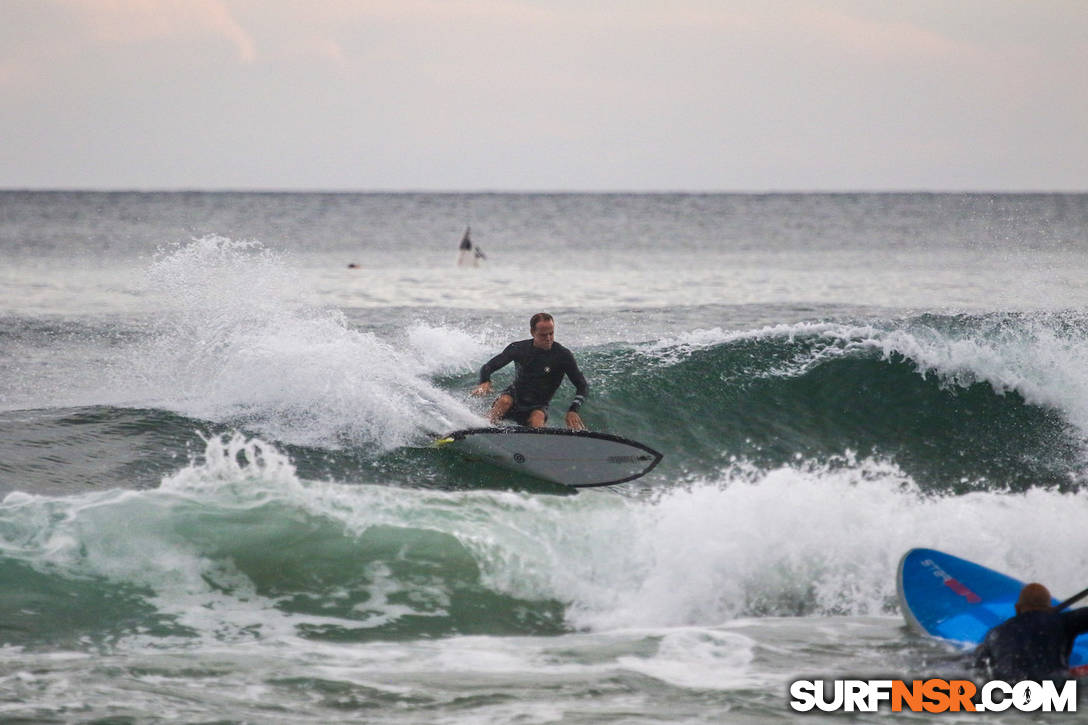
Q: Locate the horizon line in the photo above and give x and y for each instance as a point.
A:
(540, 192)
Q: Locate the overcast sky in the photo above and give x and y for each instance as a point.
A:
(641, 95)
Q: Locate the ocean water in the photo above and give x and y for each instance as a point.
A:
(217, 502)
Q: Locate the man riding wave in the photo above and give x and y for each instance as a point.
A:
(539, 366)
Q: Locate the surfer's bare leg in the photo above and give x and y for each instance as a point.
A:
(537, 418)
(500, 407)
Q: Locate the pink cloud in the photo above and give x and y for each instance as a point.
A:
(883, 40)
(127, 21)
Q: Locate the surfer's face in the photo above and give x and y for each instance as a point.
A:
(544, 334)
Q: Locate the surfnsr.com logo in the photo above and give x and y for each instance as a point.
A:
(933, 695)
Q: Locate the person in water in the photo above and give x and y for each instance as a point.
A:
(469, 255)
(1035, 644)
(539, 366)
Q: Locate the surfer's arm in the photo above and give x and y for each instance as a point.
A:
(499, 361)
(581, 387)
(581, 390)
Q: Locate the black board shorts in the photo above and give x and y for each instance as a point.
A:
(520, 413)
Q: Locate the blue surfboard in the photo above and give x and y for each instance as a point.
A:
(959, 601)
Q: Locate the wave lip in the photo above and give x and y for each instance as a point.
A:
(961, 402)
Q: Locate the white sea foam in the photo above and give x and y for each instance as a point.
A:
(237, 343)
(807, 540)
(446, 350)
(699, 658)
(800, 539)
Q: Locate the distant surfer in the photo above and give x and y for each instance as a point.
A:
(1035, 644)
(469, 255)
(539, 366)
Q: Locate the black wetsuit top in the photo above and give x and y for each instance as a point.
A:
(537, 374)
(1032, 645)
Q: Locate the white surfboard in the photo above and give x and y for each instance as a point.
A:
(573, 458)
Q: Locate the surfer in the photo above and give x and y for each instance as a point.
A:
(468, 255)
(1035, 644)
(539, 366)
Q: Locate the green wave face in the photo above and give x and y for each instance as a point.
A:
(778, 399)
(230, 551)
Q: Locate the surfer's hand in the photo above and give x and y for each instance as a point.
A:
(574, 421)
(482, 389)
